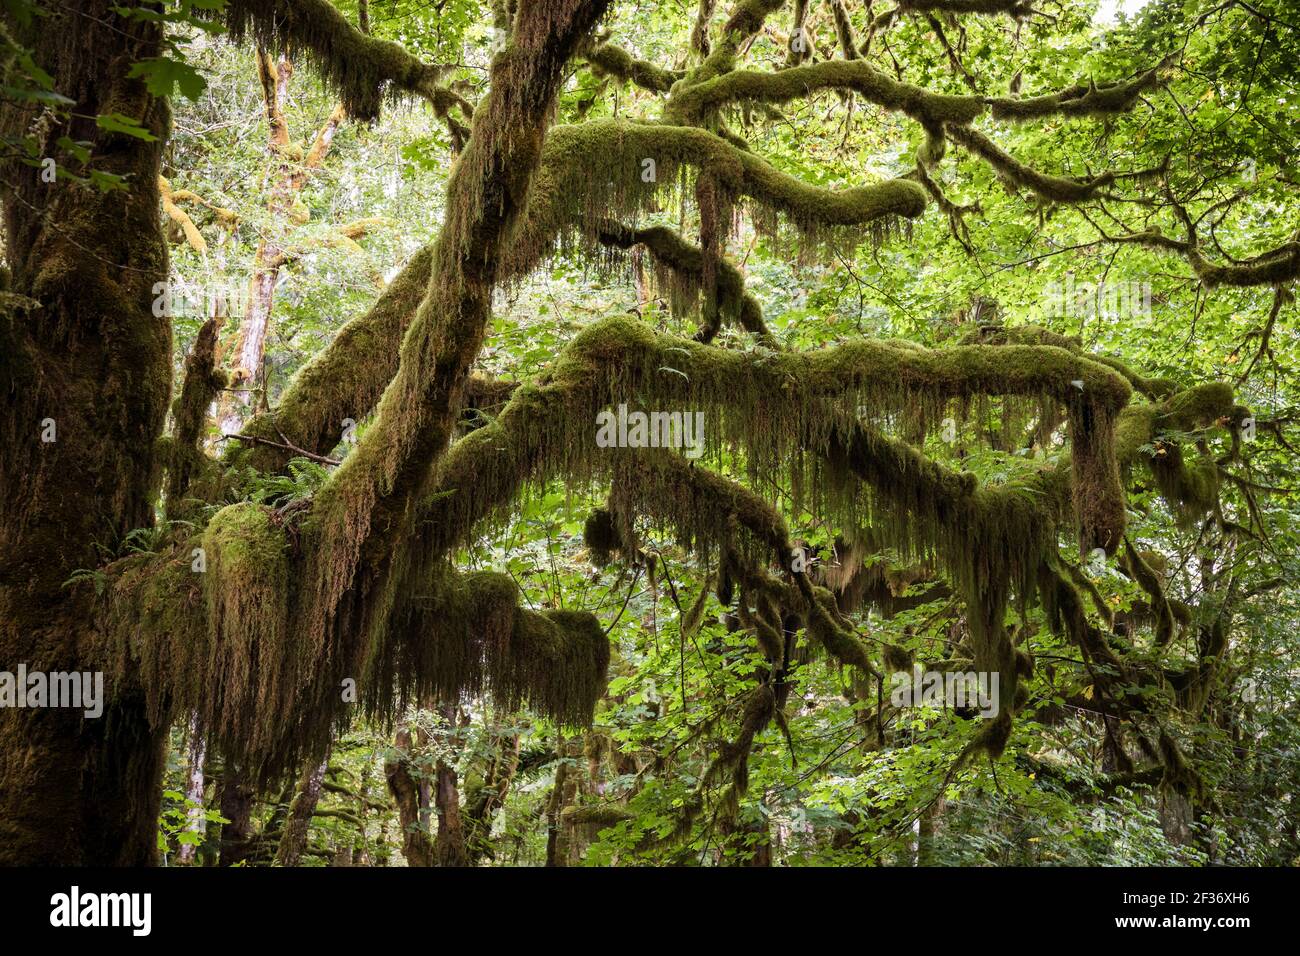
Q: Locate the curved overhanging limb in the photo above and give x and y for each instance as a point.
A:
(360, 68)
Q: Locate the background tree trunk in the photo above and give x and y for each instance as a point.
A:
(294, 840)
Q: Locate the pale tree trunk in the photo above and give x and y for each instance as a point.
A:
(194, 789)
(289, 177)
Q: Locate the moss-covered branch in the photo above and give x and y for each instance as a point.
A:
(203, 382)
(608, 59)
(367, 506)
(1059, 189)
(1079, 100)
(346, 379)
(360, 68)
(741, 86)
(603, 168)
(1018, 9)
(684, 265)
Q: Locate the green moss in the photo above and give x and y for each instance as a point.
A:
(1145, 576)
(1053, 188)
(343, 381)
(1079, 100)
(594, 171)
(601, 536)
(187, 462)
(1192, 489)
(1276, 267)
(606, 58)
(468, 635)
(253, 670)
(691, 102)
(360, 68)
(1197, 407)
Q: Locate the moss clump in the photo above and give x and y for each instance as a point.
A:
(601, 536)
(1197, 407)
(469, 635)
(360, 68)
(608, 59)
(253, 669)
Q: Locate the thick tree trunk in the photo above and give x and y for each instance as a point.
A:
(87, 368)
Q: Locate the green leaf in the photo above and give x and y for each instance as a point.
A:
(163, 75)
(127, 125)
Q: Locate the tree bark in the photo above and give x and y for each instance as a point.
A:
(294, 840)
(236, 805)
(405, 788)
(290, 176)
(93, 363)
(194, 789)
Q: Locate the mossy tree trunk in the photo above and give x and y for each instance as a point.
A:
(88, 365)
(293, 842)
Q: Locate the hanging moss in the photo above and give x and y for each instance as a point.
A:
(157, 628)
(360, 68)
(359, 535)
(1099, 497)
(252, 667)
(468, 635)
(1145, 576)
(680, 267)
(1191, 490)
(612, 168)
(601, 536)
